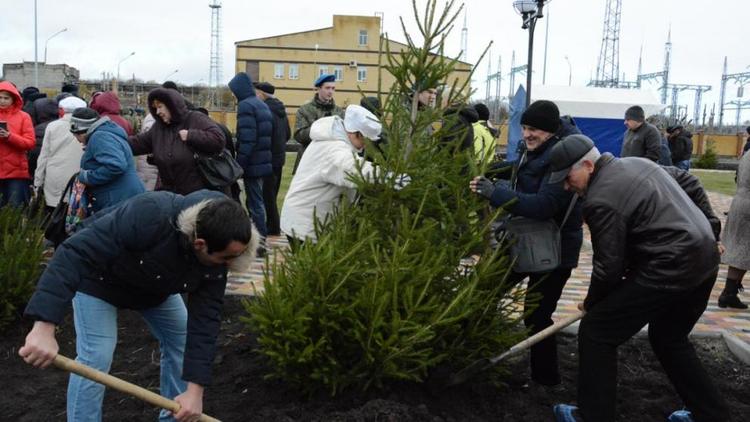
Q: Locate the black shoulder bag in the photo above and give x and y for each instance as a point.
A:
(219, 170)
(55, 230)
(535, 244)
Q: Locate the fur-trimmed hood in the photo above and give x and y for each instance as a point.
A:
(174, 101)
(188, 220)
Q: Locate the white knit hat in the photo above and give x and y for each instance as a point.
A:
(358, 119)
(69, 104)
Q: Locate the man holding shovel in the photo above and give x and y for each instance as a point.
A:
(142, 255)
(655, 262)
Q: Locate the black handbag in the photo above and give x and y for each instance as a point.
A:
(535, 244)
(218, 170)
(55, 230)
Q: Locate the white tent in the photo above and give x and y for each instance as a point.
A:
(599, 113)
(597, 103)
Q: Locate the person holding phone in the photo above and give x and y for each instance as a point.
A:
(16, 138)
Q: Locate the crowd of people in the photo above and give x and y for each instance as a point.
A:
(156, 229)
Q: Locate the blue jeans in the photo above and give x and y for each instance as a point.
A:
(96, 337)
(254, 203)
(683, 165)
(14, 192)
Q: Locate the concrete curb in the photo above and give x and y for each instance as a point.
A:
(739, 348)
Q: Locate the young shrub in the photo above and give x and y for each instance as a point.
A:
(21, 249)
(709, 159)
(403, 281)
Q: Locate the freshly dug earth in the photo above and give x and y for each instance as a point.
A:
(240, 393)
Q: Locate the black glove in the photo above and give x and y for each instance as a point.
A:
(485, 187)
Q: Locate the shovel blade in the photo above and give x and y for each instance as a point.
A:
(469, 372)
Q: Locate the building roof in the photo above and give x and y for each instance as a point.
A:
(327, 28)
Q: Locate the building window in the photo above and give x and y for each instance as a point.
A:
(278, 71)
(322, 70)
(294, 71)
(338, 71)
(362, 37)
(361, 74)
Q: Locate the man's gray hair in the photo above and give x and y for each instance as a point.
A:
(593, 155)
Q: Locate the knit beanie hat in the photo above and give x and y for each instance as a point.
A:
(83, 118)
(635, 113)
(543, 115)
(482, 111)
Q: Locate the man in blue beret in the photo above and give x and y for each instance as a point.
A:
(321, 105)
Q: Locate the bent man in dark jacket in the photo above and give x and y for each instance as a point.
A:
(536, 199)
(142, 255)
(655, 262)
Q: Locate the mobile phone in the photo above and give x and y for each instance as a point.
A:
(4, 125)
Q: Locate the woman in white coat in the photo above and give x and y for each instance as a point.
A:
(323, 173)
(736, 239)
(60, 157)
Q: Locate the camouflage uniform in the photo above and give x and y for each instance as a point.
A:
(306, 115)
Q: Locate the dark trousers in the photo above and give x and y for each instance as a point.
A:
(271, 185)
(294, 243)
(670, 317)
(14, 192)
(542, 294)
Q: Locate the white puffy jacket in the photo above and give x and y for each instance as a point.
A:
(59, 159)
(321, 179)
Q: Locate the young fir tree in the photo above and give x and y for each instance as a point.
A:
(383, 294)
(21, 250)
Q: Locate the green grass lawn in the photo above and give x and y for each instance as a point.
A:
(716, 181)
(286, 177)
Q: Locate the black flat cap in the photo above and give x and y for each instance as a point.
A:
(566, 153)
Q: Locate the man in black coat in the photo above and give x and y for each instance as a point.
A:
(655, 262)
(538, 200)
(282, 133)
(142, 255)
(681, 145)
(641, 139)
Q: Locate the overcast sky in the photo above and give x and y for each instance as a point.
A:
(167, 35)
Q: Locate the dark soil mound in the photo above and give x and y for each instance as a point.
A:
(240, 393)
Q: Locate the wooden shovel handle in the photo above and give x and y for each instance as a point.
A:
(120, 385)
(552, 329)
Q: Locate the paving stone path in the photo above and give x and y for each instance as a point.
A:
(714, 320)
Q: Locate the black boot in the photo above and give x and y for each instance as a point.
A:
(728, 297)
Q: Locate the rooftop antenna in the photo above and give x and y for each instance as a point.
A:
(215, 79)
(465, 40)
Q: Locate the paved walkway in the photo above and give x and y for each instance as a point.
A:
(714, 319)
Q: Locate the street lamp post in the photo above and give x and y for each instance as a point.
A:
(570, 71)
(52, 36)
(172, 73)
(530, 11)
(118, 69)
(36, 59)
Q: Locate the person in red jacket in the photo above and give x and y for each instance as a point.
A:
(108, 104)
(16, 137)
